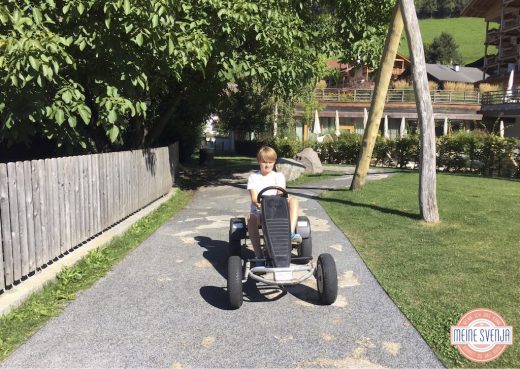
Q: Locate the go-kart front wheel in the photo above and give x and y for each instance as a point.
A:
(234, 282)
(327, 278)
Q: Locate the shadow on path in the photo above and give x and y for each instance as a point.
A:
(217, 254)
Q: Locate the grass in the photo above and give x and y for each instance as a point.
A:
(17, 326)
(435, 273)
(469, 34)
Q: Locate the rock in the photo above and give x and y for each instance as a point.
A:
(310, 159)
(290, 168)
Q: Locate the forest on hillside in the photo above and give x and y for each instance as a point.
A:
(439, 8)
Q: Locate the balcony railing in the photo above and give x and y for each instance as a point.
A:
(397, 96)
(501, 97)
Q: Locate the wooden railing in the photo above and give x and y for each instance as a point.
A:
(48, 207)
(501, 97)
(397, 96)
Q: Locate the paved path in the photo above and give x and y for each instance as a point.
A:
(165, 305)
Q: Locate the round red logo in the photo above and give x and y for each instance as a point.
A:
(481, 335)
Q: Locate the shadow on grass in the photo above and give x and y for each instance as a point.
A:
(374, 207)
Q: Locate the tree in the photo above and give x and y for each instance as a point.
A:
(361, 28)
(443, 50)
(99, 75)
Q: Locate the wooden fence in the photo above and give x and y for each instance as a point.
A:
(49, 207)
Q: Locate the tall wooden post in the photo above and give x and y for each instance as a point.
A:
(378, 100)
(428, 175)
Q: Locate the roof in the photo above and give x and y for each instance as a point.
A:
(448, 73)
(488, 9)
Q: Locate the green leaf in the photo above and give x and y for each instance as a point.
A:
(155, 20)
(81, 8)
(139, 39)
(35, 64)
(113, 133)
(59, 116)
(66, 96)
(84, 113)
(37, 15)
(127, 7)
(112, 116)
(72, 121)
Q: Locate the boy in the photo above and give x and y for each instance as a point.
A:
(259, 180)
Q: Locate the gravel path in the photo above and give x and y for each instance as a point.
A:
(165, 304)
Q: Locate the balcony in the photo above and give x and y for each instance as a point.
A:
(396, 96)
(501, 97)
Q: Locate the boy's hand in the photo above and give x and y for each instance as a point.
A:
(257, 204)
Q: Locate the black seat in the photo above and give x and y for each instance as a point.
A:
(276, 228)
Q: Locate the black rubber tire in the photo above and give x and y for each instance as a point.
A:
(305, 248)
(234, 248)
(234, 282)
(327, 279)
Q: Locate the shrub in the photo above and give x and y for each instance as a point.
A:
(286, 147)
(458, 86)
(406, 150)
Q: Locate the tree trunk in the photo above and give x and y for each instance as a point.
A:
(275, 120)
(428, 179)
(161, 123)
(377, 105)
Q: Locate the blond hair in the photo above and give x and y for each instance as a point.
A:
(266, 154)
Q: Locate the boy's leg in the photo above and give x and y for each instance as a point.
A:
(253, 224)
(293, 212)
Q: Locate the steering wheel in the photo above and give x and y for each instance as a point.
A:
(281, 189)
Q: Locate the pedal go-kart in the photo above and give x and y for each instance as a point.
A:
(285, 263)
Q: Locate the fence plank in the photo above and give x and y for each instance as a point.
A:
(102, 190)
(37, 229)
(13, 214)
(95, 194)
(62, 194)
(7, 252)
(55, 209)
(22, 219)
(29, 215)
(43, 212)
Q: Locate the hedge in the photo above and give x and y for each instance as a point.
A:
(461, 152)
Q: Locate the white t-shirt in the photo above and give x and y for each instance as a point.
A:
(258, 182)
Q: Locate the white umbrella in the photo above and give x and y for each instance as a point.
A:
(502, 128)
(402, 129)
(316, 128)
(337, 132)
(445, 127)
(385, 128)
(510, 83)
(365, 117)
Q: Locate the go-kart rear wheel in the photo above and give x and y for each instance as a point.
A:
(234, 282)
(327, 278)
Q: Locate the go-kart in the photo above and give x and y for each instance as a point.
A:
(285, 263)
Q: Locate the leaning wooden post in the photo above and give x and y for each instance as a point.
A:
(428, 175)
(377, 104)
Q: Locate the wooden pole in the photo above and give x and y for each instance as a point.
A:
(428, 175)
(378, 100)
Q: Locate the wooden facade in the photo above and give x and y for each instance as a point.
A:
(502, 45)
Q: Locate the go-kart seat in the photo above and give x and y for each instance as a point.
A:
(276, 228)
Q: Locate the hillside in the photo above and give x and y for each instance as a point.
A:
(469, 34)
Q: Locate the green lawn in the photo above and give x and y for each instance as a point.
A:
(435, 273)
(469, 34)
